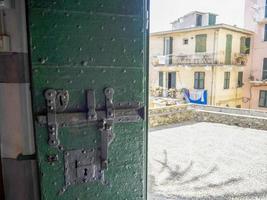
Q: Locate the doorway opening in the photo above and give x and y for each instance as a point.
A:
(207, 123)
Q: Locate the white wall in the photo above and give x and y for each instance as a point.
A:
(189, 21)
(15, 27)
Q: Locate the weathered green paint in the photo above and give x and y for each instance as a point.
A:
(228, 51)
(243, 47)
(212, 19)
(160, 79)
(89, 44)
(201, 43)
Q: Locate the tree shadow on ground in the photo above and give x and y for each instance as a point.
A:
(181, 177)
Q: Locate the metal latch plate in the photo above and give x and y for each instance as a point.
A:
(81, 166)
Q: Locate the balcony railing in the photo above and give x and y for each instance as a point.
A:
(260, 14)
(199, 59)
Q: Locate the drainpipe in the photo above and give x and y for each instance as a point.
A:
(212, 92)
(212, 86)
(251, 69)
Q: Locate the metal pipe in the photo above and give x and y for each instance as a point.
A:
(213, 62)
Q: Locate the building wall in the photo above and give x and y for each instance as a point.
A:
(216, 42)
(189, 21)
(217, 95)
(214, 75)
(15, 29)
(254, 11)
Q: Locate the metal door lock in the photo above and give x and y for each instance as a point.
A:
(83, 166)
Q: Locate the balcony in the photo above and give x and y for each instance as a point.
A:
(260, 14)
(199, 59)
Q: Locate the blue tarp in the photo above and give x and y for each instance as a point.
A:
(196, 96)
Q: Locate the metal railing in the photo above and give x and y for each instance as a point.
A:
(260, 14)
(199, 59)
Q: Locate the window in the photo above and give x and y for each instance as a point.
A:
(228, 50)
(263, 98)
(243, 45)
(248, 40)
(171, 80)
(185, 41)
(167, 50)
(226, 80)
(201, 43)
(265, 32)
(212, 19)
(199, 20)
(264, 71)
(240, 79)
(160, 79)
(266, 9)
(199, 82)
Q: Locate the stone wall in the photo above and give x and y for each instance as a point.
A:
(169, 115)
(229, 116)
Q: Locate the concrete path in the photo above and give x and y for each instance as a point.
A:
(207, 161)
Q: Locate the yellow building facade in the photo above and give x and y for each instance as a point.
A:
(208, 58)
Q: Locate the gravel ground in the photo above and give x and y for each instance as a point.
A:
(207, 161)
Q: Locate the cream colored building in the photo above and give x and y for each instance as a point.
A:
(255, 76)
(211, 58)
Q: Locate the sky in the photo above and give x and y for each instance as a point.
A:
(163, 12)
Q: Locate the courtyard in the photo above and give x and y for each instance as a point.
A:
(207, 161)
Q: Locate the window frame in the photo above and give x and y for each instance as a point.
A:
(198, 18)
(198, 49)
(264, 69)
(161, 80)
(184, 41)
(264, 105)
(240, 83)
(172, 83)
(265, 33)
(227, 80)
(243, 45)
(168, 49)
(198, 80)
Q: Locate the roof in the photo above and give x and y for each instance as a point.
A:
(217, 26)
(194, 12)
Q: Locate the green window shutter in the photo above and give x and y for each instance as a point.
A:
(160, 79)
(240, 79)
(264, 74)
(263, 98)
(168, 49)
(226, 80)
(265, 33)
(173, 80)
(199, 81)
(243, 45)
(248, 42)
(201, 43)
(212, 19)
(228, 50)
(171, 50)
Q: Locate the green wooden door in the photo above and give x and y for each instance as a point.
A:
(89, 91)
(228, 51)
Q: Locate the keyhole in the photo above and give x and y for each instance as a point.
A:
(85, 172)
(61, 100)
